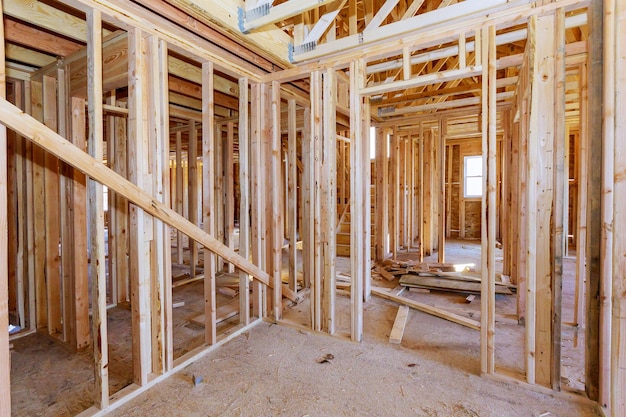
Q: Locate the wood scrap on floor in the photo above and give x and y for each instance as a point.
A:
(455, 318)
(398, 325)
(223, 312)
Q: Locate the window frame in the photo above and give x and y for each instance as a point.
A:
(465, 177)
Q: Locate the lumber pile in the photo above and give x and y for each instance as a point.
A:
(435, 276)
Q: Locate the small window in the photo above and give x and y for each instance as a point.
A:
(473, 176)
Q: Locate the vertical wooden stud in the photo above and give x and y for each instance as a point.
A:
(277, 222)
(382, 206)
(208, 202)
(292, 191)
(96, 210)
(329, 196)
(244, 199)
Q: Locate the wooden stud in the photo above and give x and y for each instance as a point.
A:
(329, 197)
(208, 200)
(441, 203)
(316, 185)
(357, 202)
(488, 212)
(192, 163)
(382, 206)
(594, 202)
(257, 194)
(51, 179)
(96, 210)
(277, 222)
(394, 189)
(292, 197)
(229, 152)
(5, 354)
(428, 185)
(179, 195)
(422, 183)
(244, 200)
(559, 202)
(618, 329)
(581, 221)
(39, 224)
(140, 223)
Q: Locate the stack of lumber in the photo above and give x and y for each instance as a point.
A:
(435, 276)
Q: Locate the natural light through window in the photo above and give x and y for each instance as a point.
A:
(473, 176)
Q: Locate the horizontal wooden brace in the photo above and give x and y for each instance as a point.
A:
(13, 118)
(423, 80)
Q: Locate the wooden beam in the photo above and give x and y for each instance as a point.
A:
(381, 15)
(192, 186)
(322, 25)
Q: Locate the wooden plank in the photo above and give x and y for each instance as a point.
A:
(429, 194)
(244, 199)
(397, 331)
(208, 199)
(96, 211)
(618, 329)
(329, 197)
(437, 312)
(5, 354)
